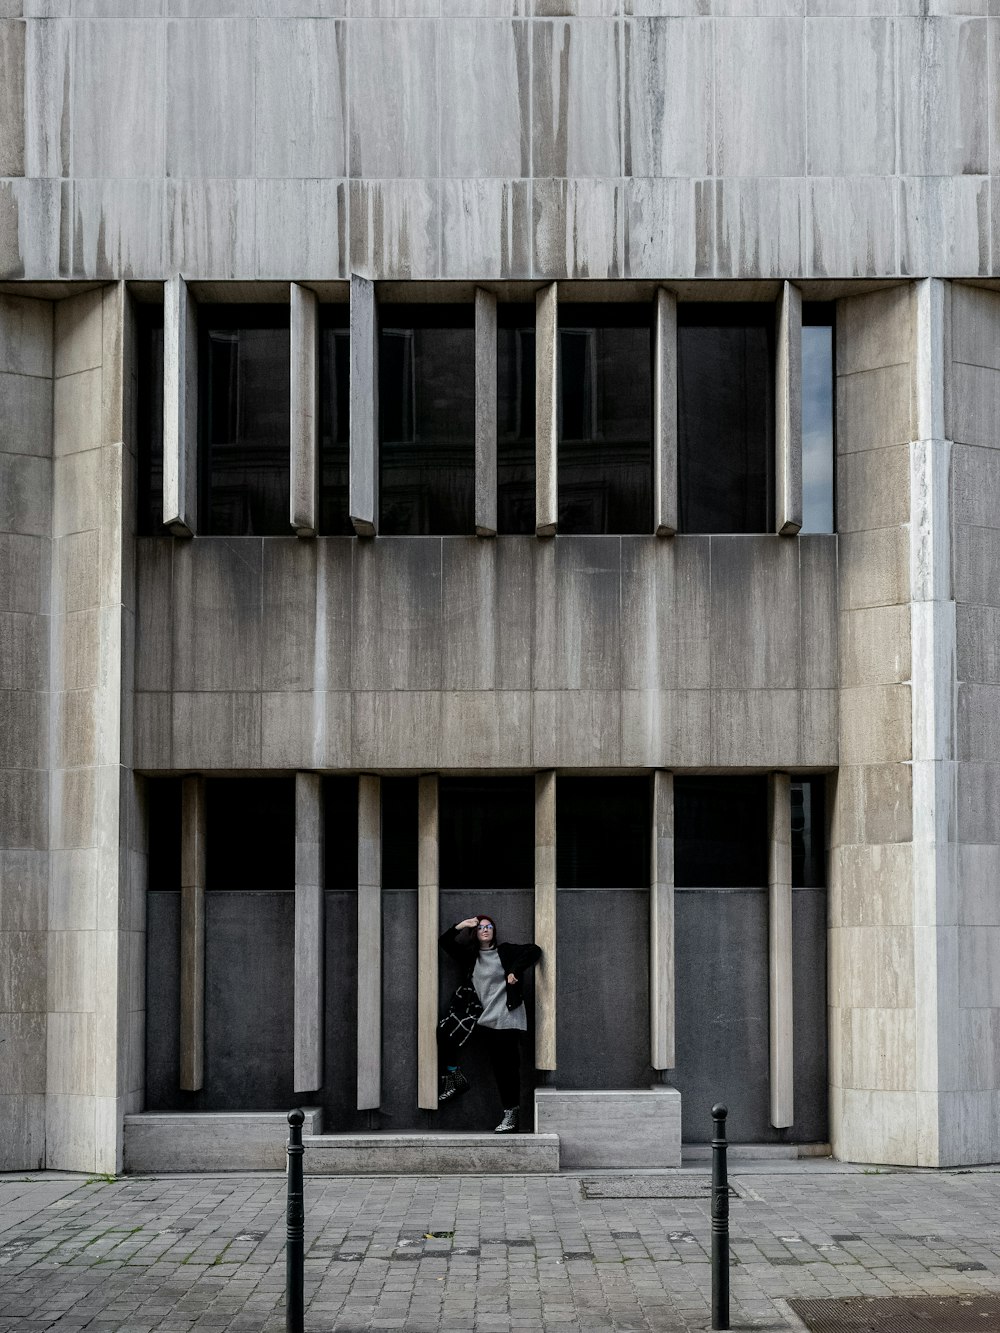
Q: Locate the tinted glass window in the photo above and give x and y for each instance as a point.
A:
(399, 833)
(163, 813)
(602, 833)
(605, 418)
(487, 833)
(817, 416)
(334, 420)
(516, 418)
(340, 833)
(809, 833)
(149, 419)
(725, 417)
(720, 832)
(427, 411)
(244, 421)
(250, 833)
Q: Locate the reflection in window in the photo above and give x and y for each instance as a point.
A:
(334, 421)
(725, 417)
(244, 421)
(149, 419)
(427, 402)
(808, 833)
(602, 833)
(516, 419)
(720, 832)
(605, 419)
(817, 416)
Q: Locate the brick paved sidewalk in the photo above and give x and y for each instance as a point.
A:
(533, 1253)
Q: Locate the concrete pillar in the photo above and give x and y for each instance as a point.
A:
(364, 408)
(486, 413)
(304, 342)
(180, 408)
(788, 413)
(310, 932)
(545, 920)
(779, 805)
(661, 926)
(428, 930)
(192, 1035)
(369, 943)
(546, 411)
(665, 414)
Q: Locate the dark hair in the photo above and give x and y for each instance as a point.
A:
(485, 916)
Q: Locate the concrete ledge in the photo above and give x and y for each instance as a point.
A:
(165, 1141)
(430, 1154)
(612, 1129)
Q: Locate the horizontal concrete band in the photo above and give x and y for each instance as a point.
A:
(430, 1154)
(167, 1141)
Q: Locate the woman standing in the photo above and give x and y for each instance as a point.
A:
(489, 1002)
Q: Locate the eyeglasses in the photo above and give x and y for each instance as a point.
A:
(484, 925)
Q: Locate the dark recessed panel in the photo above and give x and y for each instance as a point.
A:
(250, 841)
(602, 833)
(516, 419)
(334, 421)
(720, 832)
(487, 833)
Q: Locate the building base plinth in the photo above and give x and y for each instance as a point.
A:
(171, 1141)
(637, 1128)
(430, 1154)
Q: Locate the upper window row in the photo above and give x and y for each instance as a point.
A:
(427, 419)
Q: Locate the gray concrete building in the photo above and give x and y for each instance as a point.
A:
(536, 457)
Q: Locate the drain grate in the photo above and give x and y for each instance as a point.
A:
(900, 1314)
(653, 1187)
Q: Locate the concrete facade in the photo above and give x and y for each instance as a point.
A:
(554, 152)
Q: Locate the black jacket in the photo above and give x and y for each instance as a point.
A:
(463, 946)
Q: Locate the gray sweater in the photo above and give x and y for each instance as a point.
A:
(490, 982)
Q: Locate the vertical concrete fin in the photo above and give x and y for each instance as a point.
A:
(304, 443)
(486, 413)
(369, 942)
(665, 415)
(310, 934)
(192, 1018)
(545, 920)
(779, 808)
(428, 931)
(546, 411)
(788, 404)
(364, 408)
(661, 926)
(180, 408)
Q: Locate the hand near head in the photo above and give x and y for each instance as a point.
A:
(470, 923)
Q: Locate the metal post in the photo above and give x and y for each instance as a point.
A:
(720, 1221)
(295, 1228)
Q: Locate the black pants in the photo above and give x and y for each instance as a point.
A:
(503, 1046)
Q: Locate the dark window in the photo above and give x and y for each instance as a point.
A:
(334, 421)
(487, 833)
(250, 833)
(809, 833)
(605, 419)
(399, 833)
(427, 416)
(244, 421)
(149, 419)
(340, 833)
(725, 417)
(720, 832)
(602, 833)
(817, 415)
(163, 814)
(516, 419)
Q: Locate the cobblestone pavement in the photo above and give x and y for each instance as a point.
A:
(535, 1253)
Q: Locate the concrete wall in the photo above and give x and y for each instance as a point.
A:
(25, 522)
(453, 138)
(416, 653)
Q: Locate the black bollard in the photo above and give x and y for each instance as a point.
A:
(295, 1218)
(720, 1221)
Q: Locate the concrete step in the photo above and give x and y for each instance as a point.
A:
(430, 1154)
(165, 1141)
